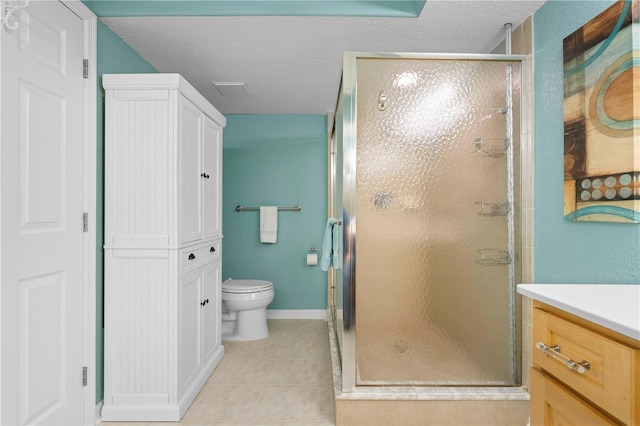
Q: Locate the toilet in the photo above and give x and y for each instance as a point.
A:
(244, 309)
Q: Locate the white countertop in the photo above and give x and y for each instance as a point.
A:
(613, 306)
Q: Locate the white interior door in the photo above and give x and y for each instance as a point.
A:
(42, 182)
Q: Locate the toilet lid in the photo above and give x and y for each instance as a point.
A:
(246, 286)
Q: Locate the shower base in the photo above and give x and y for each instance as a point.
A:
(421, 357)
(425, 405)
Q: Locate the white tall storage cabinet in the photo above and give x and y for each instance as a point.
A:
(163, 233)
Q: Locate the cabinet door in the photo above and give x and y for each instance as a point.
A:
(552, 404)
(190, 147)
(211, 320)
(212, 184)
(189, 344)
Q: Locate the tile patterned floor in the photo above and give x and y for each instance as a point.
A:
(285, 379)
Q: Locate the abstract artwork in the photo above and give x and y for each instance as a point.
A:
(602, 117)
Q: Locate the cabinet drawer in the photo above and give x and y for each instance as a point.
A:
(609, 379)
(553, 404)
(213, 250)
(194, 257)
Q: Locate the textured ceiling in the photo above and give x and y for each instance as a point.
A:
(293, 64)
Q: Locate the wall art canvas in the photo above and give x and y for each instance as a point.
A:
(602, 117)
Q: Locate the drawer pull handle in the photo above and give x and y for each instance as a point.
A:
(554, 352)
(192, 256)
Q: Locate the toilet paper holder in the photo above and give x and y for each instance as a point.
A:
(312, 256)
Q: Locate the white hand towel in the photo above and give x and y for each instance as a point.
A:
(268, 224)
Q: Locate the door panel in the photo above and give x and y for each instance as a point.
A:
(212, 165)
(211, 310)
(41, 159)
(42, 327)
(190, 170)
(417, 188)
(189, 341)
(42, 205)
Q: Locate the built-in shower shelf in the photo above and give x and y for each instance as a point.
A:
(491, 147)
(493, 209)
(493, 257)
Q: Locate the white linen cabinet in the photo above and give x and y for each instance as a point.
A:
(163, 173)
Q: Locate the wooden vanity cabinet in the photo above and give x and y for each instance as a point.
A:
(582, 373)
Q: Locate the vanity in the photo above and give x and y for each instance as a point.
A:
(585, 354)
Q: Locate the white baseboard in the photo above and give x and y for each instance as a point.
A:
(98, 412)
(317, 314)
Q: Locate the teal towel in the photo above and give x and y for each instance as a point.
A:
(331, 246)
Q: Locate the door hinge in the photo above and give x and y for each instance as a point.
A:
(84, 376)
(85, 68)
(85, 222)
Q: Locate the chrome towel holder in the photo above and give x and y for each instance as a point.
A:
(242, 209)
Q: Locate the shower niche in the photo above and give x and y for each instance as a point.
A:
(425, 174)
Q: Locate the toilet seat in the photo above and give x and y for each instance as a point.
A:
(246, 286)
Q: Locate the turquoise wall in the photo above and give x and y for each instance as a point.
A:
(568, 252)
(114, 56)
(394, 8)
(276, 160)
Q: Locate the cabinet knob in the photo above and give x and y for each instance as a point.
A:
(212, 249)
(204, 175)
(192, 256)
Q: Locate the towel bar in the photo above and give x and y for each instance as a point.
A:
(242, 209)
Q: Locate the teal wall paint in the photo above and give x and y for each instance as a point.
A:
(394, 8)
(276, 160)
(568, 252)
(113, 56)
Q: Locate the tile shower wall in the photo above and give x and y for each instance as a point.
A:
(276, 160)
(113, 56)
(569, 252)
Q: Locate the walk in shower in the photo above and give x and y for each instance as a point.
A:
(424, 179)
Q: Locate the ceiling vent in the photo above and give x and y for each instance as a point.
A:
(231, 89)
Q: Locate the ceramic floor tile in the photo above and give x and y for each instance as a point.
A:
(240, 371)
(297, 403)
(232, 403)
(283, 380)
(325, 401)
(313, 371)
(258, 349)
(303, 348)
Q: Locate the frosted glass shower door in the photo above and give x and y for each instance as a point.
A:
(434, 152)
